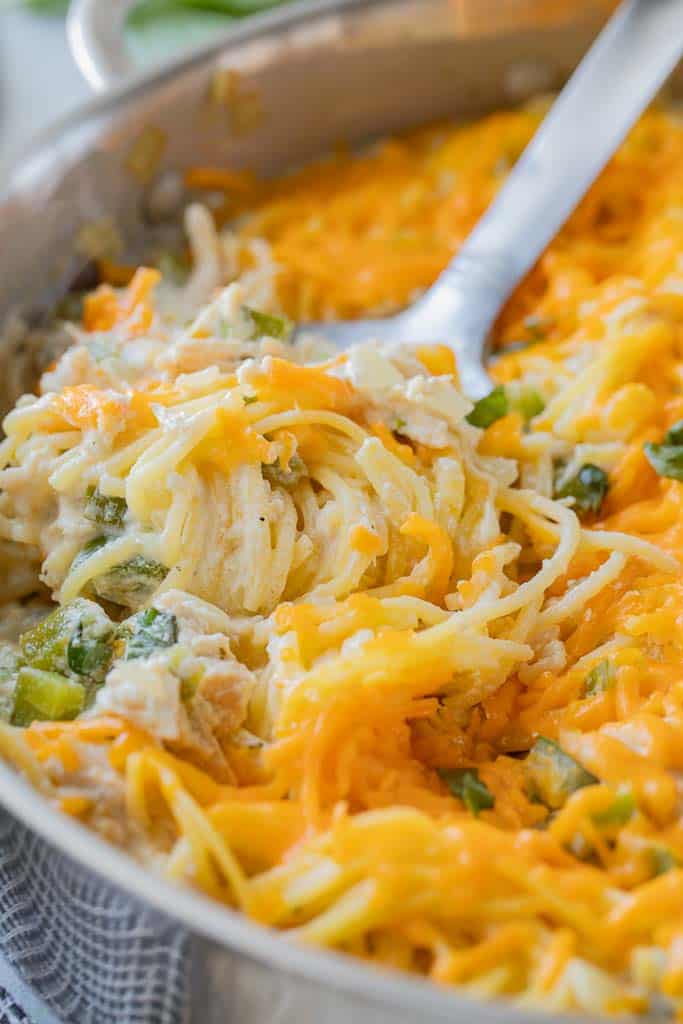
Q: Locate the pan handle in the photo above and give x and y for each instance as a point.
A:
(95, 32)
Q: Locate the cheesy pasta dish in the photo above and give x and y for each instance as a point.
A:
(398, 674)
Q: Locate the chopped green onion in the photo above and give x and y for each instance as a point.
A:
(618, 813)
(148, 631)
(249, 399)
(105, 509)
(588, 489)
(489, 409)
(600, 678)
(553, 775)
(269, 326)
(468, 787)
(46, 697)
(399, 425)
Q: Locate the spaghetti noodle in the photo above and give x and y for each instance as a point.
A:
(397, 674)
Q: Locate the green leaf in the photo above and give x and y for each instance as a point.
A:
(46, 697)
(269, 326)
(618, 813)
(489, 409)
(600, 678)
(553, 775)
(105, 509)
(468, 787)
(148, 631)
(588, 489)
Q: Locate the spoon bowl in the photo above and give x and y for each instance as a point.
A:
(610, 89)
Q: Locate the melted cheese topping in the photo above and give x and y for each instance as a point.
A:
(399, 595)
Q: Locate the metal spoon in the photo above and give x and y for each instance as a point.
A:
(619, 76)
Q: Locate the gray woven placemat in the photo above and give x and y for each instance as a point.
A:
(11, 1012)
(78, 950)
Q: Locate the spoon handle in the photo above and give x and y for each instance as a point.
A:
(620, 74)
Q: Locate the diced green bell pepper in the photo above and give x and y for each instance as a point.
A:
(89, 549)
(105, 510)
(148, 631)
(75, 638)
(489, 409)
(88, 655)
(468, 787)
(526, 401)
(588, 488)
(268, 326)
(619, 812)
(553, 775)
(46, 697)
(600, 678)
(130, 583)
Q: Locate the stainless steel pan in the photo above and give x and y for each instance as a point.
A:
(278, 91)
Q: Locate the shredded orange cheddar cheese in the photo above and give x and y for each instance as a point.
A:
(437, 766)
(104, 309)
